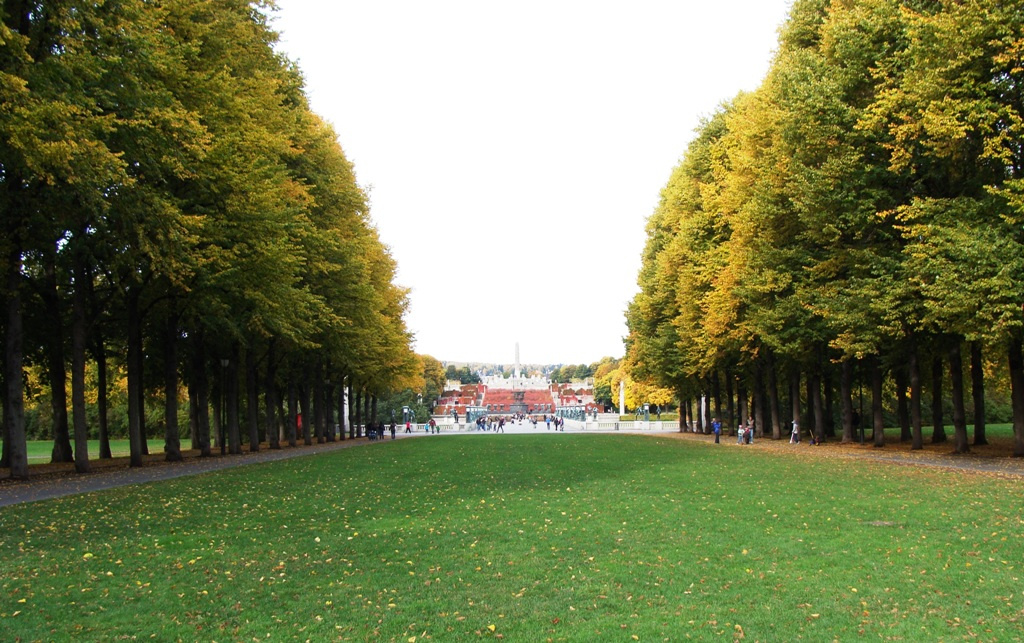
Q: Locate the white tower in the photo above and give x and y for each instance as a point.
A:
(515, 373)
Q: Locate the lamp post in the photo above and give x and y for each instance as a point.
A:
(223, 403)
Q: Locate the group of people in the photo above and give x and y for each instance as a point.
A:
(488, 423)
(557, 421)
(377, 432)
(497, 423)
(483, 423)
(745, 434)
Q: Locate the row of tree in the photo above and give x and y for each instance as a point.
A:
(171, 204)
(858, 215)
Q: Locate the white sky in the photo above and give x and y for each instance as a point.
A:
(514, 150)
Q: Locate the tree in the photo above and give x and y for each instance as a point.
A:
(955, 120)
(56, 169)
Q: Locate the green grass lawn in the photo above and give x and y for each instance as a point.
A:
(41, 450)
(526, 538)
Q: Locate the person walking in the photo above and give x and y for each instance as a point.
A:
(716, 426)
(794, 436)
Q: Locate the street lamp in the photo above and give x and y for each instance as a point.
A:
(223, 403)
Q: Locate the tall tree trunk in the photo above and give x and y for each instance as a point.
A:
(938, 427)
(140, 392)
(329, 407)
(293, 412)
(373, 411)
(846, 398)
(342, 416)
(741, 402)
(794, 394)
(217, 401)
(698, 414)
(100, 355)
(193, 413)
(56, 372)
(902, 405)
(978, 393)
(5, 435)
(308, 420)
(716, 392)
(252, 399)
(270, 399)
(915, 399)
(14, 418)
(817, 405)
(759, 403)
(5, 438)
(1016, 360)
(827, 397)
(134, 377)
(79, 341)
(682, 411)
(172, 443)
(202, 386)
(318, 404)
(361, 430)
(707, 412)
(283, 421)
(812, 428)
(231, 389)
(877, 419)
(730, 409)
(353, 408)
(956, 378)
(771, 381)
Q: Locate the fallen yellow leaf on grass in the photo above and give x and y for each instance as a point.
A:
(491, 627)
